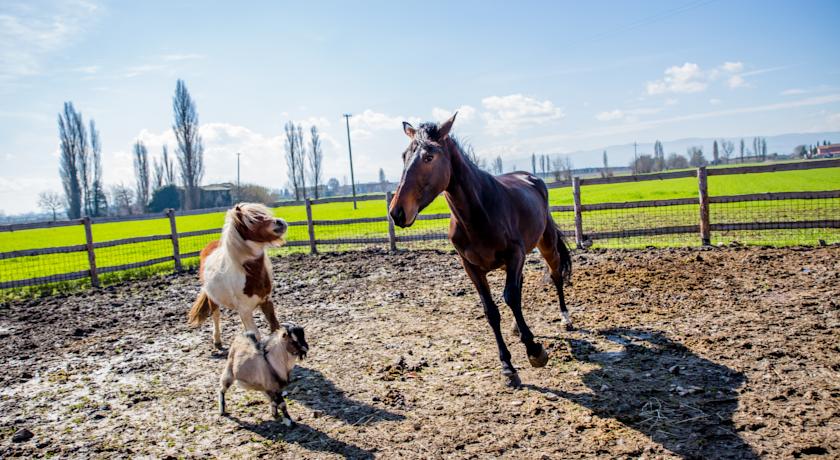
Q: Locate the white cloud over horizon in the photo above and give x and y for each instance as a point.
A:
(507, 114)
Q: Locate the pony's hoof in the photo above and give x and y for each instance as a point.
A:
(515, 329)
(540, 360)
(512, 379)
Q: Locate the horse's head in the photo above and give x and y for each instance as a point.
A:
(427, 168)
(255, 222)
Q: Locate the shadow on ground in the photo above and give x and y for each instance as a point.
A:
(660, 388)
(313, 390)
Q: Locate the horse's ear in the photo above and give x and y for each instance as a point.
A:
(446, 126)
(409, 130)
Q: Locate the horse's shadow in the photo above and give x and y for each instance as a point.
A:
(660, 388)
(312, 389)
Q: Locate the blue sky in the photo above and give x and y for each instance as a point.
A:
(548, 77)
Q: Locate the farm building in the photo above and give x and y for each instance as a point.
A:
(828, 151)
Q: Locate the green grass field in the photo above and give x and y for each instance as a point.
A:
(806, 180)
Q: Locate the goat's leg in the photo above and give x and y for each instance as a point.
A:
(537, 355)
(267, 308)
(217, 326)
(225, 382)
(491, 311)
(277, 400)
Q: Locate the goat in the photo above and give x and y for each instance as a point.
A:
(264, 365)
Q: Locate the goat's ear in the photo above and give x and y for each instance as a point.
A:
(409, 130)
(445, 127)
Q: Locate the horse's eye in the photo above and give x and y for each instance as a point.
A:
(428, 158)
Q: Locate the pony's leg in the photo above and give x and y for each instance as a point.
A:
(248, 321)
(548, 246)
(537, 355)
(491, 311)
(217, 326)
(267, 308)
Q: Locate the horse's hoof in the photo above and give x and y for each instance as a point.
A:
(218, 345)
(515, 329)
(540, 360)
(512, 379)
(568, 326)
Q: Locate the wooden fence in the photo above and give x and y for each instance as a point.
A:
(702, 229)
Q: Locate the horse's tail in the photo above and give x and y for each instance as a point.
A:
(565, 255)
(201, 310)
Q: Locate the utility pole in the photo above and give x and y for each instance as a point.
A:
(238, 186)
(350, 151)
(635, 158)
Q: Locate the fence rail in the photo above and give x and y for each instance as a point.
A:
(702, 226)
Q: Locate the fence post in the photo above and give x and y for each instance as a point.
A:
(312, 248)
(578, 213)
(94, 276)
(392, 236)
(176, 248)
(702, 183)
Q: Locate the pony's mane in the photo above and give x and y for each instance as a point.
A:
(245, 215)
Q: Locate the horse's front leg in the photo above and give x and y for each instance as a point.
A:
(491, 311)
(537, 355)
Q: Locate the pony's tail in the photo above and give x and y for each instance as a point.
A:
(201, 310)
(565, 256)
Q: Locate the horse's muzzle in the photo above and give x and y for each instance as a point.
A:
(280, 226)
(398, 216)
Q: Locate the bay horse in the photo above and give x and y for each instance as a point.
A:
(235, 271)
(495, 222)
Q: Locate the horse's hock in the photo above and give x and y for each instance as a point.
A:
(678, 353)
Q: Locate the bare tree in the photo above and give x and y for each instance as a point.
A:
(141, 174)
(715, 153)
(190, 147)
(99, 204)
(605, 172)
(497, 165)
(316, 157)
(50, 202)
(468, 150)
(543, 164)
(676, 161)
(658, 156)
(644, 164)
(157, 174)
(292, 156)
(534, 163)
(695, 157)
(382, 178)
(122, 198)
(728, 147)
(168, 168)
(301, 152)
(71, 131)
(742, 150)
(563, 168)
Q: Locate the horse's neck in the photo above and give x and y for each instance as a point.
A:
(467, 187)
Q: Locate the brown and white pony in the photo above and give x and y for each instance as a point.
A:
(235, 271)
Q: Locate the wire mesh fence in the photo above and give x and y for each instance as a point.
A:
(44, 257)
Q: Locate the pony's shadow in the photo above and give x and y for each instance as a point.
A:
(305, 436)
(660, 388)
(310, 388)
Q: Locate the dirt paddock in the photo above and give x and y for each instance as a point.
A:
(721, 353)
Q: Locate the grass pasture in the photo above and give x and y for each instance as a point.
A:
(593, 221)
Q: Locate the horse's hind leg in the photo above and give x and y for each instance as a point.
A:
(554, 251)
(537, 355)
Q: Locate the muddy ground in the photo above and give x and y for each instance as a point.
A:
(721, 353)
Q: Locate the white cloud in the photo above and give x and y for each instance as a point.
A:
(506, 114)
(611, 115)
(714, 101)
(364, 124)
(690, 78)
(687, 78)
(793, 92)
(672, 101)
(182, 57)
(833, 122)
(30, 34)
(465, 113)
(736, 81)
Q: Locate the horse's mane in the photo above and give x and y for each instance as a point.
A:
(243, 215)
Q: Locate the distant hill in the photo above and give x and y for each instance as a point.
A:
(622, 155)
